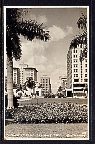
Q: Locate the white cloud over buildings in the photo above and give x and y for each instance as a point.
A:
(33, 53)
(58, 33)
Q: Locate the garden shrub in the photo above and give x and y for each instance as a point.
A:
(51, 113)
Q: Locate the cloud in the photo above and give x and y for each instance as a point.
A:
(33, 52)
(57, 33)
(69, 30)
(42, 19)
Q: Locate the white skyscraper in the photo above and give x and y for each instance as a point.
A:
(77, 72)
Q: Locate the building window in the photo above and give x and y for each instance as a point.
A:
(76, 51)
(86, 60)
(76, 70)
(85, 75)
(85, 65)
(85, 70)
(81, 75)
(85, 80)
(76, 80)
(75, 65)
(46, 80)
(76, 75)
(74, 56)
(75, 60)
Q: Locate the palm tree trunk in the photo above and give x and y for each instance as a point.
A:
(10, 81)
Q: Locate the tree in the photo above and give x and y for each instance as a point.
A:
(14, 28)
(81, 38)
(60, 92)
(30, 83)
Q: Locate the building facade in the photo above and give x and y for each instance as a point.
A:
(21, 67)
(22, 73)
(16, 76)
(46, 86)
(29, 72)
(77, 71)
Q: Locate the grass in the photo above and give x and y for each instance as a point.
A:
(52, 100)
(46, 131)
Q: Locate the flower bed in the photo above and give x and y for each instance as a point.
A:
(50, 113)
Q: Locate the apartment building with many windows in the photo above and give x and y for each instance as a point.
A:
(22, 73)
(21, 67)
(77, 72)
(45, 82)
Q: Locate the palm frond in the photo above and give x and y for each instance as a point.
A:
(82, 21)
(14, 28)
(31, 30)
(80, 39)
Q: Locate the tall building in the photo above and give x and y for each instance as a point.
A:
(45, 82)
(29, 72)
(21, 67)
(26, 72)
(21, 74)
(77, 72)
(16, 76)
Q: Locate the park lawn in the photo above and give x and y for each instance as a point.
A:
(47, 131)
(52, 100)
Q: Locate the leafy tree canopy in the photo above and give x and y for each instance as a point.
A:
(14, 28)
(30, 83)
(81, 38)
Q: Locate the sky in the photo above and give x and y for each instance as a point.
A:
(50, 58)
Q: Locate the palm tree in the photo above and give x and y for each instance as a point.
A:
(60, 92)
(81, 38)
(14, 28)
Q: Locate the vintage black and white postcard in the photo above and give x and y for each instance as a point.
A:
(46, 73)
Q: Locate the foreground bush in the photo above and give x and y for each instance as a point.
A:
(51, 113)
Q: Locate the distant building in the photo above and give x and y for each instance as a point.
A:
(77, 72)
(26, 72)
(16, 76)
(21, 67)
(45, 82)
(64, 83)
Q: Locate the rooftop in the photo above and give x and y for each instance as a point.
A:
(30, 68)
